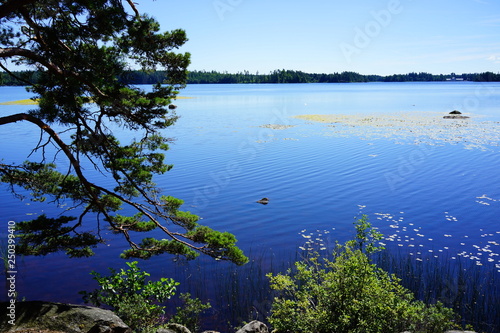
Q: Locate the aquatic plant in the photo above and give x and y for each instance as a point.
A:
(471, 290)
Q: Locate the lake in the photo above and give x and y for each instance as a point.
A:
(430, 185)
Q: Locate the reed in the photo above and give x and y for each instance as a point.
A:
(242, 294)
(471, 290)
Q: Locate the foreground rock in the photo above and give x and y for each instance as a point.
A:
(254, 327)
(38, 316)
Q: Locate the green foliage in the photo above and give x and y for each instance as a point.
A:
(366, 237)
(189, 314)
(81, 53)
(45, 235)
(349, 294)
(133, 299)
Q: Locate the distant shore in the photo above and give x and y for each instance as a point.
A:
(23, 78)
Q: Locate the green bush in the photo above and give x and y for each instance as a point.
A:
(133, 299)
(188, 315)
(350, 294)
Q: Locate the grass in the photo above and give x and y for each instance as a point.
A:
(470, 290)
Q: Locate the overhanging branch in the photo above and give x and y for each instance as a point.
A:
(90, 187)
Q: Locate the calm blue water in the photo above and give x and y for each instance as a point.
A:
(441, 198)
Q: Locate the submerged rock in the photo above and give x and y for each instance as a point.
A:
(456, 117)
(263, 201)
(57, 317)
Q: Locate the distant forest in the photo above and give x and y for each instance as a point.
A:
(277, 76)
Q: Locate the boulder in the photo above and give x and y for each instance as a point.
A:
(254, 327)
(173, 328)
(57, 317)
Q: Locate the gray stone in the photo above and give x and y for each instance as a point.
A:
(254, 327)
(173, 328)
(62, 317)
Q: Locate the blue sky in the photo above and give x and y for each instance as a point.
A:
(325, 36)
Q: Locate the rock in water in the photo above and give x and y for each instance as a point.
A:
(455, 112)
(263, 201)
(62, 318)
(254, 327)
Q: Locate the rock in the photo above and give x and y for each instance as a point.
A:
(173, 328)
(456, 117)
(254, 327)
(263, 201)
(58, 317)
(172, 107)
(455, 112)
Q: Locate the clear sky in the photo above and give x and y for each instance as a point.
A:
(325, 36)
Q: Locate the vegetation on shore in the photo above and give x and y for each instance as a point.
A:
(345, 292)
(138, 302)
(277, 76)
(349, 293)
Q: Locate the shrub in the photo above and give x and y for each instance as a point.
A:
(188, 315)
(350, 294)
(133, 299)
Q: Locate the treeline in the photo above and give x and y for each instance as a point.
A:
(288, 76)
(277, 76)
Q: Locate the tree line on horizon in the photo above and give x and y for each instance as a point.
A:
(22, 78)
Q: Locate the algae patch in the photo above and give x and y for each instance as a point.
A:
(21, 102)
(277, 127)
(412, 127)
